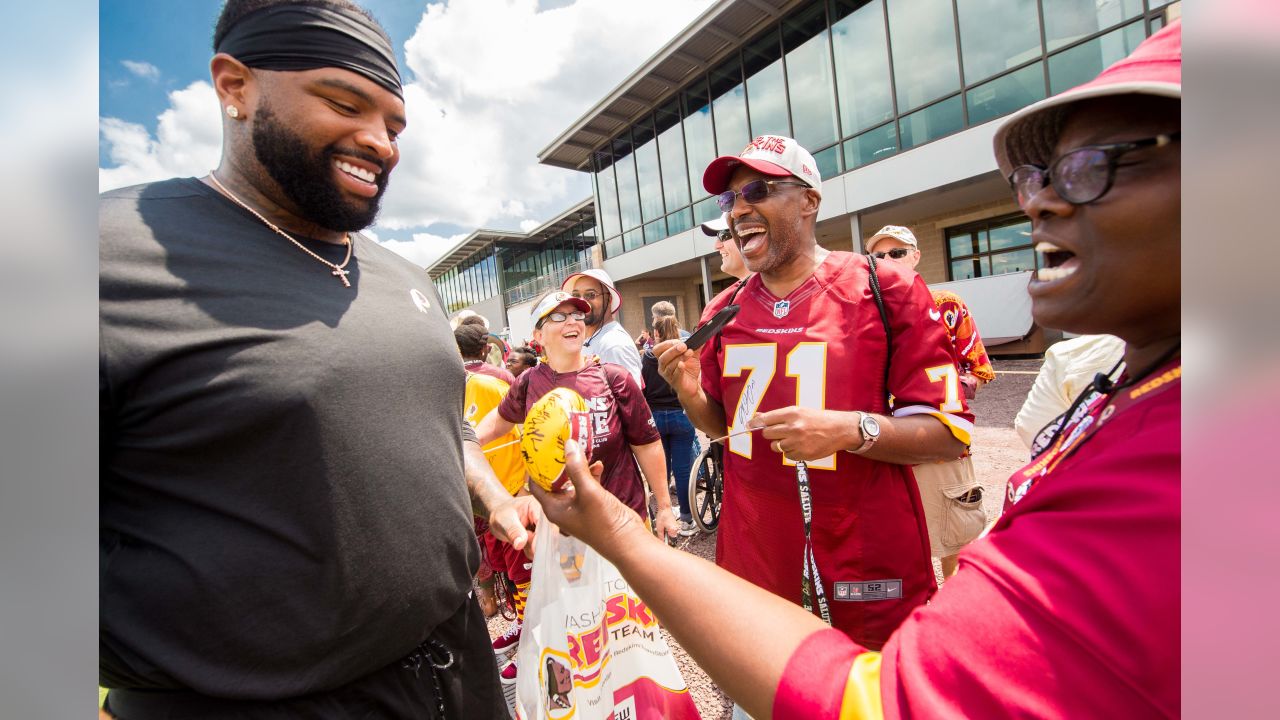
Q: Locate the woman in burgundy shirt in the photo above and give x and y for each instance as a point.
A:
(625, 438)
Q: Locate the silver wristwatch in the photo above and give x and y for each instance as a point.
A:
(870, 428)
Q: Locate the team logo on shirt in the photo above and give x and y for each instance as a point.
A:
(420, 301)
(781, 308)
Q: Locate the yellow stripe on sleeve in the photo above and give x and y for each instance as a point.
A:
(960, 428)
(862, 691)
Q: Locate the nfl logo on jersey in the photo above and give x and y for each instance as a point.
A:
(781, 308)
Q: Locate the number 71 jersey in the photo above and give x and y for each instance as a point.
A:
(823, 347)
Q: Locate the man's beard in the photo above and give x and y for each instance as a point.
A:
(306, 177)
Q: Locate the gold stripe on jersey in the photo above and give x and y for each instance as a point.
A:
(862, 689)
(962, 429)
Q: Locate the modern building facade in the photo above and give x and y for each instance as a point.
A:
(895, 99)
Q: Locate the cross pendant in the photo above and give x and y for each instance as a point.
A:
(342, 275)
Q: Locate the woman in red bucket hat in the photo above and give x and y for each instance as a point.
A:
(1070, 606)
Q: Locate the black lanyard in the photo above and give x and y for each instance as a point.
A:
(811, 584)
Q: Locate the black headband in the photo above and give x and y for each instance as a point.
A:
(301, 37)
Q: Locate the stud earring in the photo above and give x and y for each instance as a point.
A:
(233, 111)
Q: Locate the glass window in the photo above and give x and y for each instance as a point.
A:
(624, 167)
(1003, 237)
(862, 64)
(931, 123)
(699, 138)
(706, 211)
(870, 146)
(969, 269)
(606, 194)
(1016, 261)
(647, 171)
(675, 175)
(828, 162)
(766, 89)
(613, 248)
(655, 231)
(729, 108)
(632, 239)
(1156, 24)
(1066, 21)
(922, 35)
(991, 247)
(996, 35)
(1082, 63)
(1006, 94)
(809, 81)
(679, 221)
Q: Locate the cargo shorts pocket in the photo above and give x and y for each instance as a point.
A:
(963, 517)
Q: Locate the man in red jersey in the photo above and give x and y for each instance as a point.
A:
(1070, 607)
(805, 361)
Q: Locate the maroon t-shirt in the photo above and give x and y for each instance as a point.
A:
(620, 419)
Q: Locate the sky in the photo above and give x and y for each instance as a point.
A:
(488, 83)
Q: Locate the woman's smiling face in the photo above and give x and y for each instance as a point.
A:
(1114, 264)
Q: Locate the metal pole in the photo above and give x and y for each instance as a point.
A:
(855, 223)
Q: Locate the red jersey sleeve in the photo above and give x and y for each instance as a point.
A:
(923, 374)
(637, 421)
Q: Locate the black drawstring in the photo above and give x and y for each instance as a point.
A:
(438, 657)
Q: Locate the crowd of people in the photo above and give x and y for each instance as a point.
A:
(302, 480)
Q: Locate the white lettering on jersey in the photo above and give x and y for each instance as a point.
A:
(599, 407)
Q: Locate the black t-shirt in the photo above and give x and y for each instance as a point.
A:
(282, 502)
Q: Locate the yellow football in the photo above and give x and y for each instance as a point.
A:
(555, 418)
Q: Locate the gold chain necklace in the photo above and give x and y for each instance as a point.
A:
(337, 269)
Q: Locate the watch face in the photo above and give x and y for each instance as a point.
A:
(870, 426)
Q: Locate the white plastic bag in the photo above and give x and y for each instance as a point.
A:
(590, 649)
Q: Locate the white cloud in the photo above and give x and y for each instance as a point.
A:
(188, 141)
(528, 225)
(142, 69)
(424, 249)
(509, 79)
(495, 81)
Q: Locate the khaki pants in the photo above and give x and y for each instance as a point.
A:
(952, 500)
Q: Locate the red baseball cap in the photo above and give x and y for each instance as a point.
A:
(1153, 68)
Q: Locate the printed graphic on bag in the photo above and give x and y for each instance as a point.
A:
(596, 647)
(559, 685)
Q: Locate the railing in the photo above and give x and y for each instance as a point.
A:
(531, 289)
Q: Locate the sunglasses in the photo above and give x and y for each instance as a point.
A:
(724, 236)
(1082, 175)
(753, 192)
(589, 296)
(557, 317)
(896, 253)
